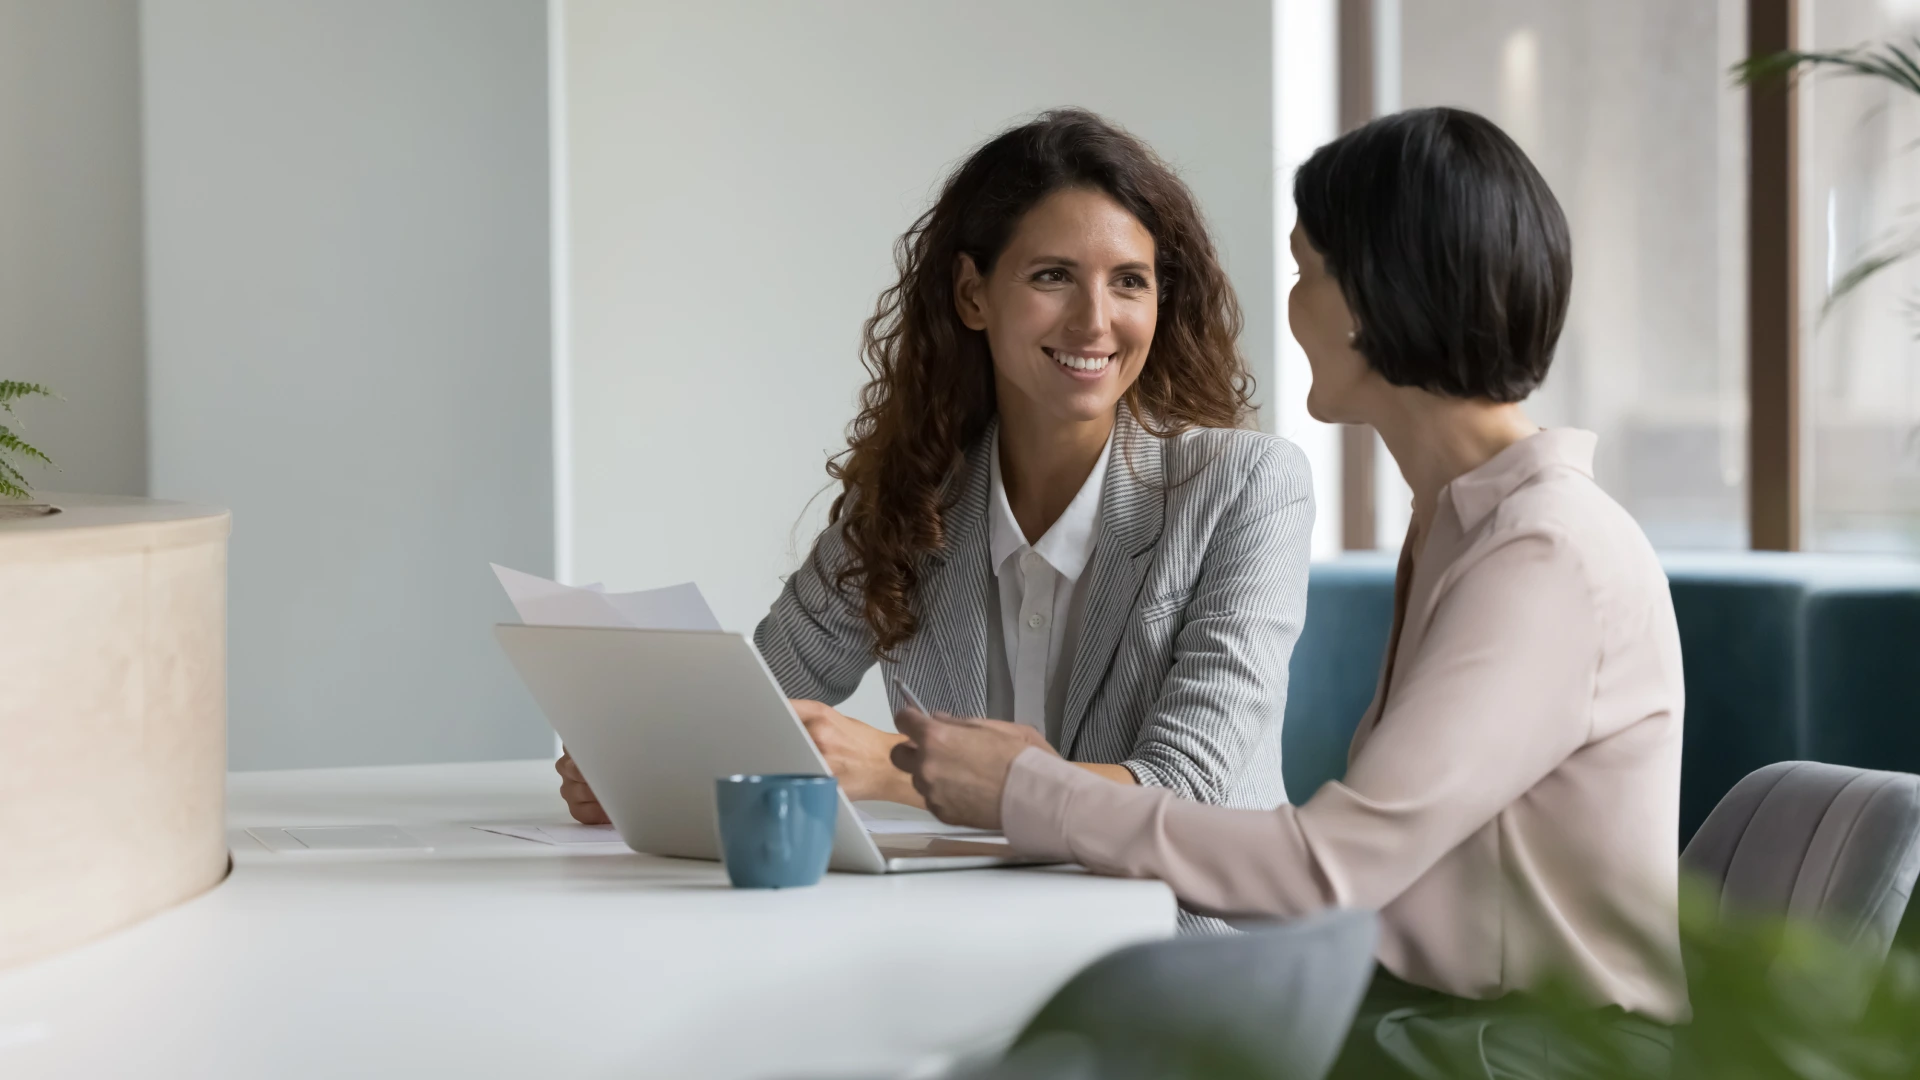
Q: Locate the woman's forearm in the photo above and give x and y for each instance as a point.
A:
(1119, 774)
(901, 791)
(1218, 860)
(896, 785)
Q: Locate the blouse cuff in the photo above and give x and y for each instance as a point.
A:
(1034, 804)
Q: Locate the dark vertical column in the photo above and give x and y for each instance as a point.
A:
(1773, 292)
(1357, 529)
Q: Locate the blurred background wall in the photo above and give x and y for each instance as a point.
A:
(348, 334)
(71, 306)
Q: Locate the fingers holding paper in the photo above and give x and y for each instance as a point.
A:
(959, 766)
(581, 802)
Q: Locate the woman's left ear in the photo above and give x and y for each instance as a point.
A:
(967, 287)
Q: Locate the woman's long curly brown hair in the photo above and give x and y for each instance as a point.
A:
(931, 391)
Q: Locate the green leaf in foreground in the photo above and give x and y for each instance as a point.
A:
(1772, 1000)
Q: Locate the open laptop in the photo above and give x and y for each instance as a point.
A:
(652, 717)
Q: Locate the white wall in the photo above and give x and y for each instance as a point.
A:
(738, 174)
(347, 287)
(70, 246)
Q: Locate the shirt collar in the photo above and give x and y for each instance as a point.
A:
(1475, 494)
(1068, 543)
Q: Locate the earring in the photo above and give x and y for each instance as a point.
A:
(1353, 336)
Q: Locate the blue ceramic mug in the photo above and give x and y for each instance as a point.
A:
(776, 832)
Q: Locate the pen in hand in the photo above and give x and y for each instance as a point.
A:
(912, 699)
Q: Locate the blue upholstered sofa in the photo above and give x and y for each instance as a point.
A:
(1788, 657)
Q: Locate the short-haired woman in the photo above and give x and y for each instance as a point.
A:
(1512, 794)
(1049, 512)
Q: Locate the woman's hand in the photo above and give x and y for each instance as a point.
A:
(960, 766)
(573, 787)
(857, 753)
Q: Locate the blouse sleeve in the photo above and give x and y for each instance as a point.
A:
(1498, 696)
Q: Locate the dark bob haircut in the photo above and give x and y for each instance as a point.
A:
(1450, 250)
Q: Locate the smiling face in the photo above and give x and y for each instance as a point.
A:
(1069, 308)
(1317, 314)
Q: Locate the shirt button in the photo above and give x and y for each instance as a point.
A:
(1036, 620)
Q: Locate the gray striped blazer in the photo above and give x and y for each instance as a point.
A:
(1197, 593)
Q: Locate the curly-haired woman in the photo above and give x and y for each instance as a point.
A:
(1049, 512)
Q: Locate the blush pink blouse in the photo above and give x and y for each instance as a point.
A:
(1511, 802)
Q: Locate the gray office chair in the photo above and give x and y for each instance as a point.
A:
(1274, 1002)
(1827, 843)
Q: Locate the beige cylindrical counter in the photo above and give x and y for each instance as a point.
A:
(113, 716)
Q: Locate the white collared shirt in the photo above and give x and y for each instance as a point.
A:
(1042, 593)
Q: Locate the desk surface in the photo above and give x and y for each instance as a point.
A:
(496, 956)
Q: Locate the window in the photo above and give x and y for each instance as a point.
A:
(1860, 376)
(1627, 109)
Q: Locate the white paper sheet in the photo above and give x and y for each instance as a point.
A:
(896, 820)
(336, 838)
(676, 607)
(924, 828)
(607, 834)
(559, 834)
(541, 602)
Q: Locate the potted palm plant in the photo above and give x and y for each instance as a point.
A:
(1893, 62)
(15, 451)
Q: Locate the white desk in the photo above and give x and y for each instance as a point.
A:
(494, 956)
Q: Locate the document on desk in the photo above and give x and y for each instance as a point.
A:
(559, 834)
(541, 602)
(894, 819)
(886, 822)
(336, 839)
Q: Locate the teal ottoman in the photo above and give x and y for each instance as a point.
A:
(1335, 667)
(1788, 657)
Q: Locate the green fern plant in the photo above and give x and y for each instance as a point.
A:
(15, 450)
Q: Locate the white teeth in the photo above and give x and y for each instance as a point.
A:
(1082, 363)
